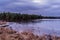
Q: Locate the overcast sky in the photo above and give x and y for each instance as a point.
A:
(43, 7)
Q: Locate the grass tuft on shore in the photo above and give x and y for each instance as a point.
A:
(7, 33)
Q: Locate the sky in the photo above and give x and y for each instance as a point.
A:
(43, 7)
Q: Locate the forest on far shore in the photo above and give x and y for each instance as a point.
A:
(18, 17)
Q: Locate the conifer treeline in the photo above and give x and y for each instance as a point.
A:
(18, 17)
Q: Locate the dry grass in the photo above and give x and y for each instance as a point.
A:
(9, 34)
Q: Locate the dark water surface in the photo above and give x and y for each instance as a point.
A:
(47, 26)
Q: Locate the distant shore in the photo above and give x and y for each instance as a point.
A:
(18, 17)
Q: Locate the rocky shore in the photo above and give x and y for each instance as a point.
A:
(7, 33)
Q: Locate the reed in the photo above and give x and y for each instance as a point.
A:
(7, 33)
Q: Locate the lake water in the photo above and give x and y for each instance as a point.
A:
(47, 26)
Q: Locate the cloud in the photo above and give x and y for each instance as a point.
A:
(28, 6)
